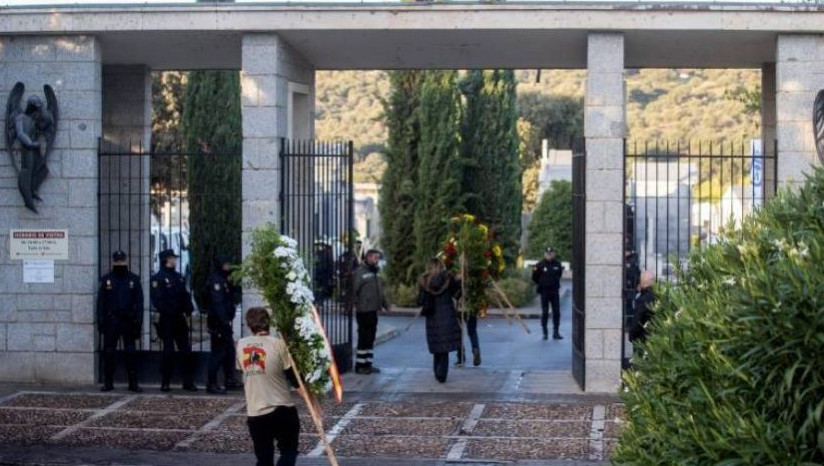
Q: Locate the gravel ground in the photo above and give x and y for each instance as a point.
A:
(42, 417)
(609, 447)
(611, 429)
(616, 411)
(406, 409)
(538, 429)
(37, 400)
(366, 446)
(26, 435)
(239, 442)
(152, 420)
(172, 404)
(132, 439)
(551, 412)
(390, 426)
(511, 449)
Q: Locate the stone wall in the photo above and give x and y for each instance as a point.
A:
(269, 65)
(604, 129)
(47, 330)
(799, 76)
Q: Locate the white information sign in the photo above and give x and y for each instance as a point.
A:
(38, 271)
(39, 244)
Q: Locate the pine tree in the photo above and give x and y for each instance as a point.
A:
(492, 176)
(397, 195)
(439, 193)
(211, 126)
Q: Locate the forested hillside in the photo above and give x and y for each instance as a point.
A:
(663, 104)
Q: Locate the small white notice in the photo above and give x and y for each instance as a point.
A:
(38, 271)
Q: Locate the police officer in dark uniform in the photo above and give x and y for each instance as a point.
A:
(632, 276)
(547, 276)
(120, 317)
(174, 303)
(222, 297)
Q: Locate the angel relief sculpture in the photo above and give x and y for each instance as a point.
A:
(35, 128)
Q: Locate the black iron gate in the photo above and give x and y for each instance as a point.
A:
(317, 210)
(683, 195)
(144, 206)
(578, 266)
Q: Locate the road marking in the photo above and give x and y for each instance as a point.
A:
(100, 413)
(211, 425)
(457, 450)
(596, 434)
(333, 433)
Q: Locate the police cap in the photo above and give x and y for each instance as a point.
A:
(119, 256)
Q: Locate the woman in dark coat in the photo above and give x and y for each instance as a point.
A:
(437, 289)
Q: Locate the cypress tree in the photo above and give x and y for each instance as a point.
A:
(439, 194)
(211, 126)
(397, 192)
(492, 177)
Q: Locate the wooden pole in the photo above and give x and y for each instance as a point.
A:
(316, 419)
(515, 312)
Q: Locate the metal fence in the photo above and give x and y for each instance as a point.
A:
(684, 195)
(317, 209)
(144, 207)
(578, 265)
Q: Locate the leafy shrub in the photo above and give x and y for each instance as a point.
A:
(519, 288)
(404, 295)
(733, 370)
(551, 223)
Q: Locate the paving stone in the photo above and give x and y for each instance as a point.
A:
(26, 435)
(409, 447)
(38, 400)
(550, 412)
(171, 404)
(390, 426)
(405, 409)
(130, 439)
(521, 449)
(40, 417)
(152, 420)
(537, 429)
(239, 442)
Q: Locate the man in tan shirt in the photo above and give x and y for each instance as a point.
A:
(267, 375)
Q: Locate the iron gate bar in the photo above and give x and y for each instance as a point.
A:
(578, 266)
(721, 194)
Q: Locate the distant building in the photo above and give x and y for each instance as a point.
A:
(555, 165)
(367, 216)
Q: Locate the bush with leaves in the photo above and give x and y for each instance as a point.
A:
(551, 224)
(733, 370)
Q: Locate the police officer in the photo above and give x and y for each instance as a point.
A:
(222, 296)
(120, 317)
(174, 303)
(547, 276)
(632, 276)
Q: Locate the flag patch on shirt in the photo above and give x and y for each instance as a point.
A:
(254, 358)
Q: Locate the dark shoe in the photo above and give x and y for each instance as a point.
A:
(190, 387)
(234, 385)
(363, 371)
(165, 388)
(440, 379)
(135, 388)
(215, 389)
(557, 336)
(374, 370)
(546, 336)
(107, 388)
(476, 357)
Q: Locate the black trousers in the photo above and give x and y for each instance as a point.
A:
(282, 425)
(472, 332)
(222, 354)
(440, 363)
(367, 329)
(174, 331)
(115, 330)
(550, 298)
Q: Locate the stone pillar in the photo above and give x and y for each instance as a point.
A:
(127, 131)
(269, 65)
(604, 129)
(47, 331)
(768, 136)
(799, 76)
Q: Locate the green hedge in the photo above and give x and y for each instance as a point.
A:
(733, 371)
